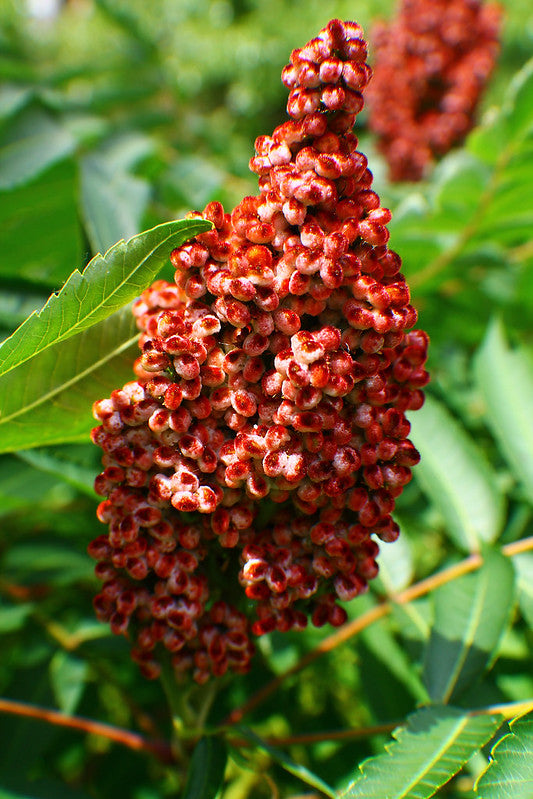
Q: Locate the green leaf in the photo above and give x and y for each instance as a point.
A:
(396, 568)
(69, 464)
(505, 379)
(35, 142)
(112, 202)
(18, 486)
(206, 770)
(48, 562)
(12, 99)
(510, 772)
(470, 617)
(4, 794)
(456, 477)
(107, 283)
(47, 207)
(426, 753)
(48, 400)
(523, 564)
(13, 617)
(287, 763)
(519, 111)
(68, 675)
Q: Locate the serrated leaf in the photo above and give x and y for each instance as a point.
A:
(426, 753)
(35, 142)
(455, 475)
(287, 763)
(48, 400)
(510, 772)
(206, 769)
(505, 379)
(112, 202)
(107, 283)
(471, 614)
(68, 675)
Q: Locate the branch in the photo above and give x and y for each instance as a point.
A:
(356, 626)
(131, 740)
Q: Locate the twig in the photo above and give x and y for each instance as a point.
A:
(131, 740)
(69, 642)
(354, 627)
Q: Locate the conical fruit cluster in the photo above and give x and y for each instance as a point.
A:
(250, 467)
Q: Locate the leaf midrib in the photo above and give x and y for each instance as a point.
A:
(468, 638)
(445, 746)
(75, 379)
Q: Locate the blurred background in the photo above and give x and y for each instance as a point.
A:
(116, 115)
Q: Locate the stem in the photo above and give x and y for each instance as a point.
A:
(131, 740)
(69, 642)
(352, 628)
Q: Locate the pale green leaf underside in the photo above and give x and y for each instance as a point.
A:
(434, 746)
(107, 283)
(510, 773)
(455, 475)
(470, 617)
(48, 399)
(505, 378)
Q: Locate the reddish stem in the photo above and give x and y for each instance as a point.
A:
(131, 740)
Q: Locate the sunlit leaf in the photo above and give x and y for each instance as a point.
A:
(510, 772)
(456, 477)
(108, 282)
(470, 617)
(425, 754)
(48, 400)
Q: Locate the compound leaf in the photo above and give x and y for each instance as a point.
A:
(426, 753)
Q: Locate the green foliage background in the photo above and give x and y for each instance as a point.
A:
(115, 117)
